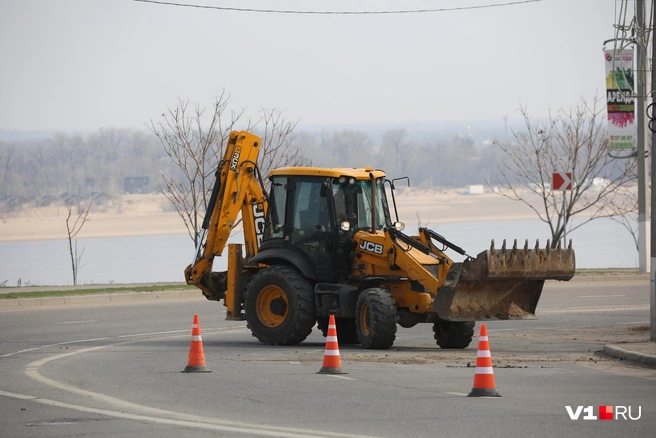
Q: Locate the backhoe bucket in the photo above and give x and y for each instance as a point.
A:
(502, 284)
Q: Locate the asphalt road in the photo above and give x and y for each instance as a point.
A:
(113, 369)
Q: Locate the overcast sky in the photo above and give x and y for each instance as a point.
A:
(86, 64)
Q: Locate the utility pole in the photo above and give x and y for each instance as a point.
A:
(652, 276)
(644, 230)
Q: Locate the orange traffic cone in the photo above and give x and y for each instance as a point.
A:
(196, 360)
(332, 364)
(484, 376)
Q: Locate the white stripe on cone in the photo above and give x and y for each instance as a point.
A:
(484, 370)
(196, 338)
(483, 353)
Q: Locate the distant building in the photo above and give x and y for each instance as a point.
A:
(137, 184)
(476, 189)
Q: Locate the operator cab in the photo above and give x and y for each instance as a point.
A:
(316, 212)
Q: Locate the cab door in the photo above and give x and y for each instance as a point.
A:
(312, 224)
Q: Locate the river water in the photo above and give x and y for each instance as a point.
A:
(601, 243)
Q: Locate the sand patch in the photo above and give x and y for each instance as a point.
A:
(152, 214)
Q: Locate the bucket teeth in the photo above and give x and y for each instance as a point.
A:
(539, 263)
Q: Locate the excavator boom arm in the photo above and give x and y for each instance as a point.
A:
(237, 188)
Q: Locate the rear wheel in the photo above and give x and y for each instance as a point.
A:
(346, 331)
(451, 334)
(376, 318)
(279, 306)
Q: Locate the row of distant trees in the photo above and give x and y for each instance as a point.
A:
(78, 164)
(99, 162)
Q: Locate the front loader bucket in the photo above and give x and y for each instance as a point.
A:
(501, 284)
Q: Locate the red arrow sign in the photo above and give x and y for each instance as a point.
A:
(562, 181)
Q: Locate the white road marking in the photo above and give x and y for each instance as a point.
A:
(155, 415)
(192, 421)
(337, 376)
(589, 309)
(594, 326)
(600, 296)
(75, 322)
(462, 394)
(82, 341)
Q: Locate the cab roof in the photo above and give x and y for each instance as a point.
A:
(361, 173)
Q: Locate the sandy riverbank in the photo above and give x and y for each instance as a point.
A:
(152, 214)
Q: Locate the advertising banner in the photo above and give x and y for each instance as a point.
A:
(619, 98)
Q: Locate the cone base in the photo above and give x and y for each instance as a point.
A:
(484, 392)
(196, 369)
(331, 370)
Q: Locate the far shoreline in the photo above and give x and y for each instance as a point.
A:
(151, 215)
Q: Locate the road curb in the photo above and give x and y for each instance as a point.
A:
(620, 353)
(605, 278)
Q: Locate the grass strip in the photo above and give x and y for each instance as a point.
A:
(608, 271)
(94, 291)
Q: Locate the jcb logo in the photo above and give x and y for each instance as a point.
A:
(376, 248)
(258, 220)
(235, 159)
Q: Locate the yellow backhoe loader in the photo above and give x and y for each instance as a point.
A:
(322, 242)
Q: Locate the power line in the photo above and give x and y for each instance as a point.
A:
(273, 11)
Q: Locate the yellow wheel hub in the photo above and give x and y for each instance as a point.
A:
(364, 319)
(272, 306)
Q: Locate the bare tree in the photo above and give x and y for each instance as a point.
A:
(195, 143)
(277, 142)
(625, 214)
(573, 141)
(6, 163)
(395, 146)
(72, 229)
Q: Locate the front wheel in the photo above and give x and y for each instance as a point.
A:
(279, 306)
(376, 318)
(452, 334)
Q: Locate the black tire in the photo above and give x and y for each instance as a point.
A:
(375, 319)
(279, 306)
(452, 334)
(346, 330)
